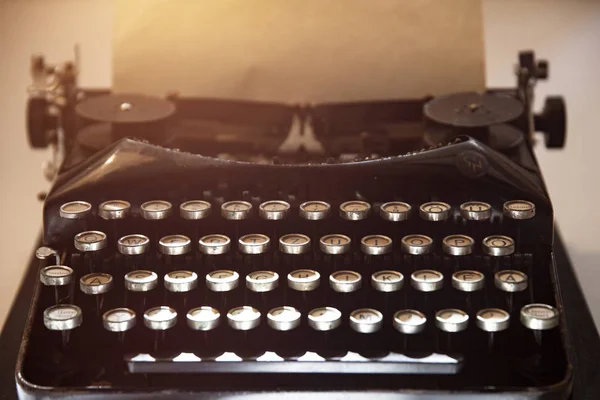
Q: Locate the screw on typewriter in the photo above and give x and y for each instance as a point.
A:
(57, 276)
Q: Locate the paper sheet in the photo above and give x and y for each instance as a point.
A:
(298, 50)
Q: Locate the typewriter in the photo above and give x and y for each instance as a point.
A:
(198, 247)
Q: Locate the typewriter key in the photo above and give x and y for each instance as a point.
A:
(156, 209)
(56, 275)
(262, 281)
(335, 244)
(395, 211)
(427, 280)
(181, 281)
(294, 243)
(468, 281)
(493, 320)
(133, 245)
(75, 210)
(222, 280)
(510, 281)
(96, 283)
(387, 281)
(519, 209)
(45, 252)
(160, 318)
(274, 209)
(203, 318)
(366, 320)
(118, 320)
(451, 320)
(243, 318)
(114, 209)
(214, 244)
(236, 210)
(435, 211)
(539, 316)
(345, 281)
(90, 241)
(254, 243)
(304, 280)
(476, 211)
(62, 317)
(141, 281)
(283, 318)
(409, 322)
(498, 245)
(174, 245)
(376, 244)
(195, 209)
(355, 210)
(458, 245)
(417, 244)
(314, 210)
(324, 318)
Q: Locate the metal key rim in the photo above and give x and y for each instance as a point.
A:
(366, 326)
(62, 324)
(86, 246)
(119, 326)
(314, 215)
(56, 280)
(279, 324)
(133, 249)
(305, 284)
(495, 325)
(395, 216)
(480, 215)
(204, 324)
(451, 326)
(195, 214)
(110, 214)
(538, 322)
(274, 215)
(156, 214)
(409, 328)
(154, 322)
(80, 214)
(218, 248)
(146, 284)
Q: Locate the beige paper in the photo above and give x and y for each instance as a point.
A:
(298, 50)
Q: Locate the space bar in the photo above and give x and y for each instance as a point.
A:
(310, 362)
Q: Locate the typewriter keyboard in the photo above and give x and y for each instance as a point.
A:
(455, 294)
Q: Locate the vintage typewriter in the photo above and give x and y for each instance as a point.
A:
(202, 247)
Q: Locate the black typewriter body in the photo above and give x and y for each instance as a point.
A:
(351, 271)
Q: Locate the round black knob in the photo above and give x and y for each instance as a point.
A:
(38, 122)
(553, 122)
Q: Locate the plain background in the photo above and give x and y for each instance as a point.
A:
(565, 32)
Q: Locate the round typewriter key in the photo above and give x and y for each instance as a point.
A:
(118, 320)
(195, 209)
(458, 245)
(75, 210)
(181, 281)
(160, 318)
(262, 281)
(156, 209)
(387, 281)
(62, 317)
(214, 244)
(417, 244)
(427, 280)
(254, 243)
(133, 245)
(283, 318)
(96, 283)
(519, 209)
(314, 210)
(222, 280)
(334, 244)
(493, 320)
(366, 320)
(203, 318)
(294, 243)
(498, 245)
(114, 209)
(90, 241)
(355, 210)
(304, 280)
(476, 211)
(434, 211)
(395, 211)
(174, 245)
(243, 318)
(274, 209)
(376, 244)
(409, 321)
(236, 210)
(451, 320)
(56, 275)
(141, 281)
(468, 281)
(324, 318)
(510, 281)
(345, 281)
(539, 316)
